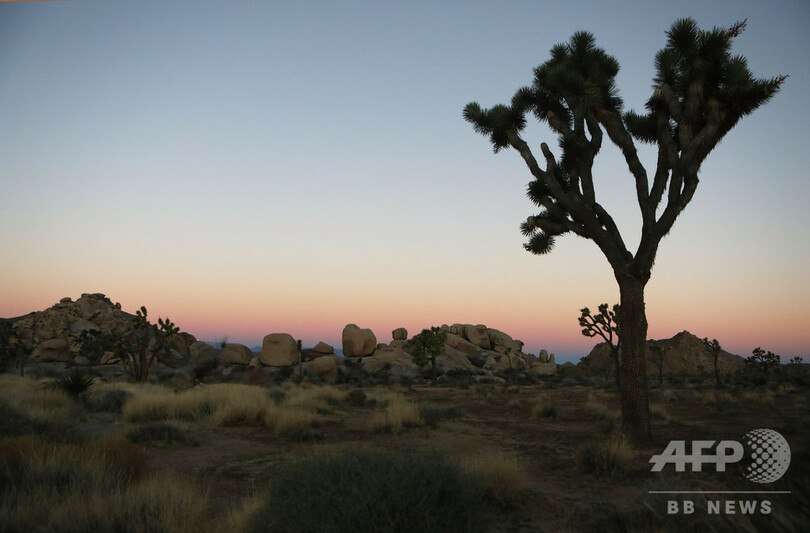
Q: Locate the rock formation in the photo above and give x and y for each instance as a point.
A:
(684, 354)
(358, 342)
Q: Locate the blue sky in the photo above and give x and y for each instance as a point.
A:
(252, 167)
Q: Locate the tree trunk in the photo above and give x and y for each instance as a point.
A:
(716, 372)
(633, 335)
(614, 354)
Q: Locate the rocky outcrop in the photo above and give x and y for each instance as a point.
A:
(279, 349)
(54, 335)
(358, 342)
(684, 354)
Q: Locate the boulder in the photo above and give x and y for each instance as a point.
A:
(279, 349)
(323, 348)
(53, 350)
(501, 342)
(80, 325)
(109, 358)
(453, 359)
(478, 335)
(462, 345)
(543, 356)
(81, 360)
(393, 360)
(326, 365)
(202, 352)
(235, 354)
(399, 334)
(358, 342)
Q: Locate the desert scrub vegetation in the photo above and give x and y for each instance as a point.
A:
(98, 485)
(600, 406)
(606, 457)
(373, 491)
(31, 407)
(544, 408)
(394, 413)
(230, 405)
(502, 476)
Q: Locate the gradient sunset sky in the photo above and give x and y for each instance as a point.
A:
(250, 167)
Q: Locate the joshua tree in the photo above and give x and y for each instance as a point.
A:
(796, 360)
(426, 347)
(12, 350)
(700, 92)
(604, 325)
(762, 361)
(145, 343)
(714, 349)
(657, 353)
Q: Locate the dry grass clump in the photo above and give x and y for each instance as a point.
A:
(190, 405)
(762, 397)
(321, 399)
(599, 406)
(660, 411)
(396, 414)
(546, 409)
(99, 485)
(36, 398)
(610, 457)
(231, 404)
(502, 474)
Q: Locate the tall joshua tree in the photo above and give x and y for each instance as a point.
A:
(700, 91)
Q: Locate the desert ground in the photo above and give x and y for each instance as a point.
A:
(546, 456)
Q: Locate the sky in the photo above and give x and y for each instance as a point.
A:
(249, 167)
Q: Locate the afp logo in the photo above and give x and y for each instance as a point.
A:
(765, 455)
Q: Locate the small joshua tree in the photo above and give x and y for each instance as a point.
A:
(796, 360)
(12, 350)
(763, 361)
(714, 349)
(145, 343)
(604, 324)
(426, 347)
(657, 353)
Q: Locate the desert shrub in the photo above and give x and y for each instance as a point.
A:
(15, 422)
(373, 491)
(159, 433)
(28, 409)
(433, 414)
(189, 405)
(396, 414)
(546, 409)
(611, 457)
(73, 382)
(100, 485)
(597, 408)
(284, 420)
(356, 397)
(111, 401)
(317, 399)
(659, 411)
(502, 476)
(276, 394)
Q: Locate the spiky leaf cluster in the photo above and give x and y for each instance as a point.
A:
(700, 89)
(603, 324)
(569, 92)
